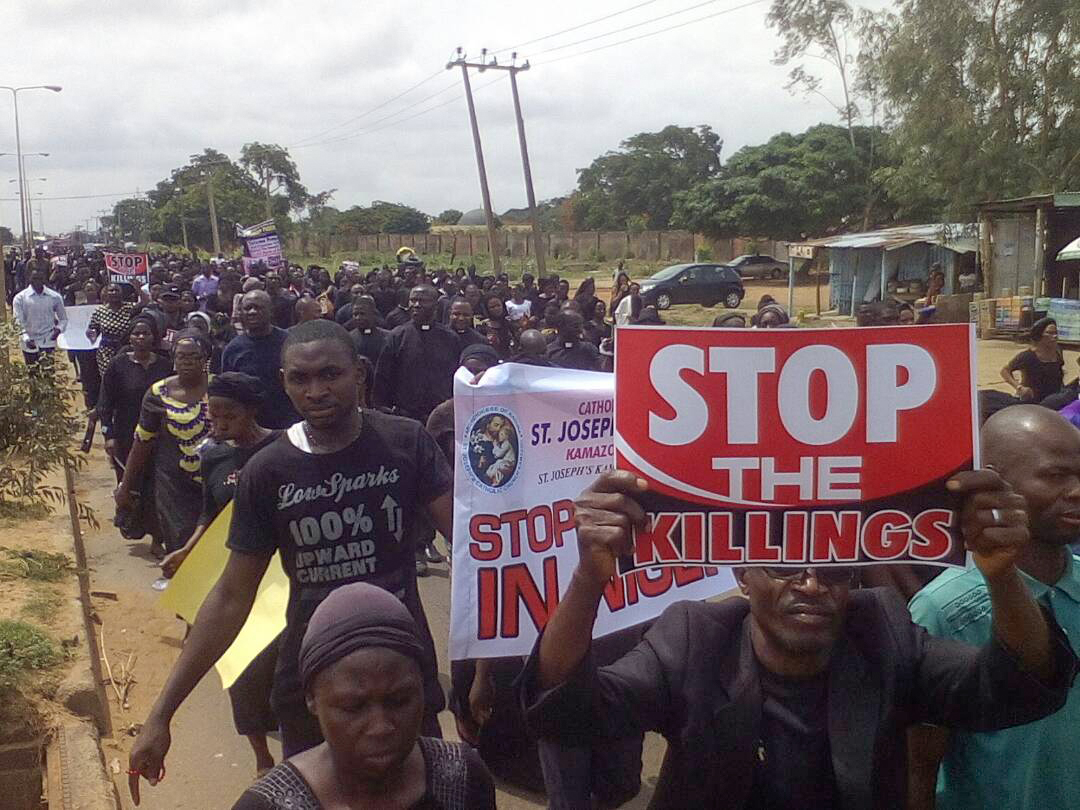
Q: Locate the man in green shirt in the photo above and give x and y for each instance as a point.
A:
(1034, 765)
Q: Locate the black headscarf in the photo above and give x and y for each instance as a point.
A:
(239, 387)
(355, 617)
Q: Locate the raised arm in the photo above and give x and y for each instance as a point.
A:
(994, 523)
(604, 514)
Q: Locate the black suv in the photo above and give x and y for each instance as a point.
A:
(705, 284)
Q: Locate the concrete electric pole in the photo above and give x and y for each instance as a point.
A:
(513, 69)
(489, 215)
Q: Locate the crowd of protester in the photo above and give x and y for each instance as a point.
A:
(215, 384)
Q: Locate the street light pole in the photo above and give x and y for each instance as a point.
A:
(18, 149)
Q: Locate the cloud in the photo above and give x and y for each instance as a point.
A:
(147, 83)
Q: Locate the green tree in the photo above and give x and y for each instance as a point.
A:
(134, 219)
(399, 218)
(986, 99)
(642, 178)
(238, 199)
(822, 29)
(274, 170)
(451, 216)
(6, 236)
(791, 187)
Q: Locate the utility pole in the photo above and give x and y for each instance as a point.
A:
(213, 211)
(489, 216)
(538, 238)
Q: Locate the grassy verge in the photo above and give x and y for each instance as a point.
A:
(24, 649)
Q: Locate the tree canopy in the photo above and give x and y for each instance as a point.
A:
(791, 187)
(985, 99)
(642, 178)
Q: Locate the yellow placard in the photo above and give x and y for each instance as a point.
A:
(200, 572)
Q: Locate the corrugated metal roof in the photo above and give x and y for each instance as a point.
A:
(957, 237)
(1062, 199)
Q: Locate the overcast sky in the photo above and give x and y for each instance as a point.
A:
(148, 83)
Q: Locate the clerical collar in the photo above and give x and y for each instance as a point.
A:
(425, 327)
(568, 345)
(366, 331)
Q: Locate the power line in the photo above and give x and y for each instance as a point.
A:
(373, 129)
(625, 28)
(377, 107)
(80, 196)
(656, 33)
(575, 27)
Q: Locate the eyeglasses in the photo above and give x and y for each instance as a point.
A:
(829, 576)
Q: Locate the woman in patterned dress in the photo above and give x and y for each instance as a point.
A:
(172, 426)
(111, 320)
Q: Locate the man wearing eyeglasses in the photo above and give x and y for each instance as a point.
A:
(799, 695)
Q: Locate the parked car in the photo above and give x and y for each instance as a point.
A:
(758, 265)
(705, 284)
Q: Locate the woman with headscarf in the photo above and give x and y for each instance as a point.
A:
(172, 425)
(126, 381)
(360, 667)
(233, 399)
(501, 334)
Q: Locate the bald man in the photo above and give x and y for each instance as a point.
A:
(258, 352)
(1031, 766)
(532, 347)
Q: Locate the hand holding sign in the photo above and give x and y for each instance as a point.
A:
(604, 516)
(993, 520)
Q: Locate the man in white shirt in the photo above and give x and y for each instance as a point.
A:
(40, 314)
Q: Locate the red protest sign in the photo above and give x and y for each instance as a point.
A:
(128, 268)
(809, 446)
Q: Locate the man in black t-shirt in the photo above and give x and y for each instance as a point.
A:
(337, 496)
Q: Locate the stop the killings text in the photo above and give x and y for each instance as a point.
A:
(796, 447)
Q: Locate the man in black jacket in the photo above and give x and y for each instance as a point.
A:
(799, 696)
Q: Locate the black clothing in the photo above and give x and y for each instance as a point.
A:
(370, 342)
(416, 369)
(261, 357)
(250, 693)
(695, 679)
(283, 309)
(221, 464)
(579, 355)
(122, 389)
(793, 771)
(1043, 377)
(396, 317)
(456, 780)
(596, 331)
(470, 337)
(339, 518)
(385, 299)
(500, 335)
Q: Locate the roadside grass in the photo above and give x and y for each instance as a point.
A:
(23, 649)
(40, 566)
(43, 605)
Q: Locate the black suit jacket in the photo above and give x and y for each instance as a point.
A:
(694, 679)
